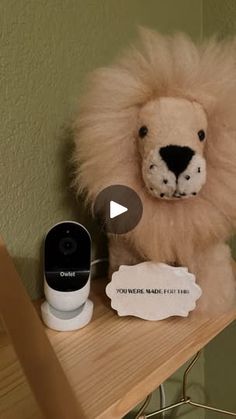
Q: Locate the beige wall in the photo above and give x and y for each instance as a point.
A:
(219, 17)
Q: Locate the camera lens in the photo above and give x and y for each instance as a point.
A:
(67, 245)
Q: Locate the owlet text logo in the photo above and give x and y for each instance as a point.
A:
(70, 274)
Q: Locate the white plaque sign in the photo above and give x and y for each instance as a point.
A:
(153, 291)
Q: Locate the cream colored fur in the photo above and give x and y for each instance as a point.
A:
(190, 232)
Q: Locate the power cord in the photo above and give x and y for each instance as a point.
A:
(162, 399)
(100, 260)
(141, 413)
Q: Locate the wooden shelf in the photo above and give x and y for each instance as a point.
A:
(113, 363)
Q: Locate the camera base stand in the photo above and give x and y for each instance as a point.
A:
(67, 320)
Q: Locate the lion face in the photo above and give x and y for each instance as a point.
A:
(171, 137)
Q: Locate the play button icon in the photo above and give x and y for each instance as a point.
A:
(118, 208)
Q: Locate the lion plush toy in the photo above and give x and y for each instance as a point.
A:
(162, 120)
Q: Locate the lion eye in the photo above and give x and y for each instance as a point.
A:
(201, 135)
(143, 131)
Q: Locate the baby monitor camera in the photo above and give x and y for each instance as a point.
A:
(67, 258)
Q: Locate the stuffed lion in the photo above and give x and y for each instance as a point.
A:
(162, 120)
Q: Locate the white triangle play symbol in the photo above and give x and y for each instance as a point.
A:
(116, 209)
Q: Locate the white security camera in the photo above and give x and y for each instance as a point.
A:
(67, 260)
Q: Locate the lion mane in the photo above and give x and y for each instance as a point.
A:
(106, 151)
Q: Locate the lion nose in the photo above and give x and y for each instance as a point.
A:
(176, 157)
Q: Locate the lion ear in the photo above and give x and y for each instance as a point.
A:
(150, 38)
(155, 48)
(146, 33)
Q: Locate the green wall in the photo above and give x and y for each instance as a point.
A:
(219, 17)
(46, 49)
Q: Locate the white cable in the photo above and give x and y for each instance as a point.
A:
(96, 261)
(162, 399)
(141, 413)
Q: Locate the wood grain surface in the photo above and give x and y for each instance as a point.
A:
(113, 363)
(39, 362)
